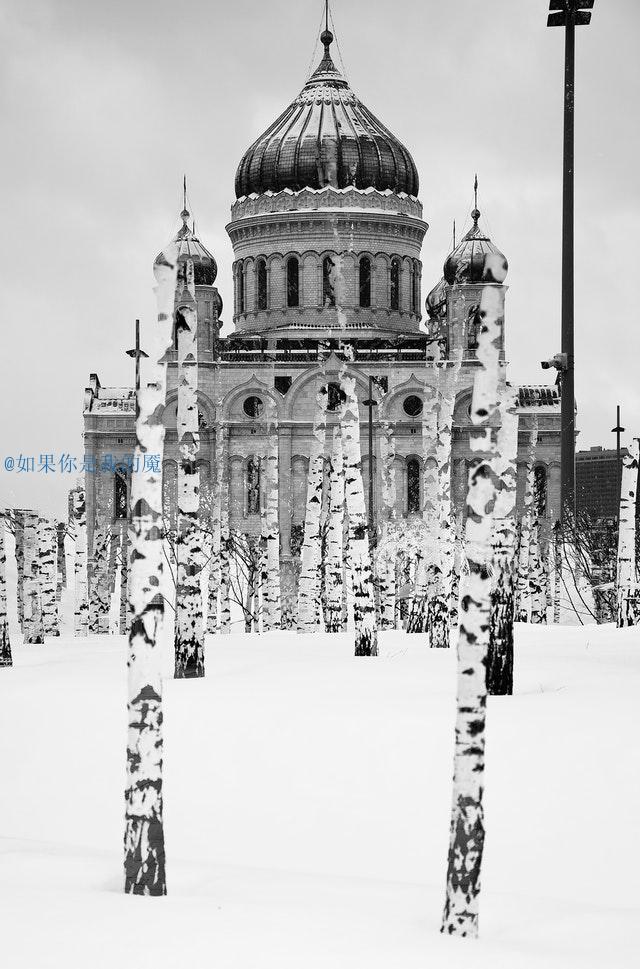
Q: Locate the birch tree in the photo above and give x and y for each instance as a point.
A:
(627, 589)
(360, 567)
(18, 534)
(225, 536)
(48, 570)
(81, 610)
(5, 642)
(309, 584)
(33, 629)
(272, 618)
(500, 655)
(334, 565)
(215, 572)
(144, 853)
(523, 594)
(467, 820)
(189, 632)
(387, 547)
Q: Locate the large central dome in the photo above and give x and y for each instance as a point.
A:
(326, 137)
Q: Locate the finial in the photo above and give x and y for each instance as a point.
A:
(184, 215)
(454, 234)
(475, 215)
(326, 36)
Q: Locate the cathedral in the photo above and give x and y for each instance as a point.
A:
(327, 229)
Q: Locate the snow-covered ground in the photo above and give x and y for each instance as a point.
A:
(307, 798)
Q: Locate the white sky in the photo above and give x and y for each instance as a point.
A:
(103, 106)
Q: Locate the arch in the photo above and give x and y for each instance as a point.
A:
(261, 284)
(120, 493)
(293, 281)
(415, 287)
(413, 478)
(251, 386)
(253, 478)
(364, 282)
(540, 489)
(328, 281)
(394, 284)
(291, 403)
(242, 289)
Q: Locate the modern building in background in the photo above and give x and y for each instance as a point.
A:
(597, 483)
(327, 230)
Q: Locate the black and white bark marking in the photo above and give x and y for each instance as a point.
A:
(627, 589)
(5, 642)
(144, 854)
(309, 584)
(33, 628)
(523, 589)
(189, 629)
(467, 818)
(81, 611)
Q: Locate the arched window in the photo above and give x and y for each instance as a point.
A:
(415, 287)
(473, 327)
(334, 396)
(365, 281)
(241, 288)
(413, 485)
(394, 289)
(261, 284)
(120, 496)
(253, 486)
(293, 282)
(540, 490)
(328, 292)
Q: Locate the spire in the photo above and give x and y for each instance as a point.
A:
(184, 215)
(475, 215)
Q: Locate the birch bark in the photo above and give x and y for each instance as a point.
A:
(500, 656)
(19, 540)
(428, 550)
(387, 548)
(33, 629)
(467, 820)
(627, 589)
(216, 531)
(144, 854)
(81, 612)
(189, 631)
(48, 570)
(309, 585)
(364, 606)
(225, 538)
(335, 559)
(5, 642)
(272, 618)
(523, 594)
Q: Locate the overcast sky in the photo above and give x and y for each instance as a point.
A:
(105, 104)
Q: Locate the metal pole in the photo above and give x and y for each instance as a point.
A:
(137, 356)
(568, 437)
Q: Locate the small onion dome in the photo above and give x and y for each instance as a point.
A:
(326, 137)
(205, 268)
(475, 259)
(436, 302)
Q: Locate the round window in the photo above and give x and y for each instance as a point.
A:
(253, 407)
(412, 405)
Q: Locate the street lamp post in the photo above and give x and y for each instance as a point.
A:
(568, 14)
(618, 430)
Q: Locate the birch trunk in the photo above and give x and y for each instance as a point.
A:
(99, 572)
(225, 560)
(523, 595)
(428, 550)
(124, 577)
(81, 612)
(48, 570)
(309, 585)
(216, 531)
(364, 606)
(388, 542)
(19, 540)
(272, 618)
(627, 590)
(5, 642)
(467, 822)
(189, 631)
(144, 855)
(537, 580)
(440, 609)
(33, 629)
(335, 558)
(500, 656)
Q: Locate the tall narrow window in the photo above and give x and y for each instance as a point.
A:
(415, 288)
(253, 486)
(293, 282)
(120, 493)
(365, 281)
(241, 287)
(328, 292)
(394, 289)
(261, 284)
(540, 490)
(473, 327)
(413, 485)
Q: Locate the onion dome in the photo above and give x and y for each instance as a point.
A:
(326, 137)
(436, 301)
(475, 259)
(205, 268)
